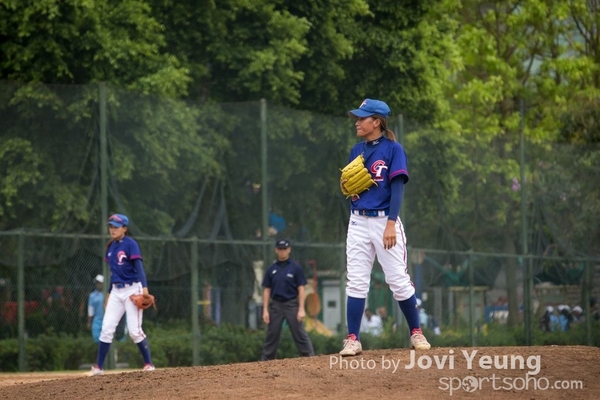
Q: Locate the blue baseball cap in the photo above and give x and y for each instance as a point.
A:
(371, 107)
(118, 220)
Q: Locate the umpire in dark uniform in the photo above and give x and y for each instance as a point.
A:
(283, 298)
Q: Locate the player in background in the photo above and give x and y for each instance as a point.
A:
(127, 277)
(96, 309)
(375, 228)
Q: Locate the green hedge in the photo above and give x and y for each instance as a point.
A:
(171, 347)
(500, 335)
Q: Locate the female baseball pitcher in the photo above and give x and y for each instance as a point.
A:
(374, 181)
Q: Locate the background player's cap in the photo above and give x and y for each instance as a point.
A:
(370, 107)
(118, 220)
(99, 278)
(282, 244)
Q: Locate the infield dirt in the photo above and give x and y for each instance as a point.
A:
(555, 372)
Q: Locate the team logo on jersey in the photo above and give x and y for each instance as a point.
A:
(274, 272)
(121, 257)
(290, 275)
(377, 170)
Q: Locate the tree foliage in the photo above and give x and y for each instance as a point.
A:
(457, 70)
(509, 51)
(55, 41)
(236, 50)
(52, 161)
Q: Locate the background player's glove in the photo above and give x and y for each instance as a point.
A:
(143, 301)
(355, 178)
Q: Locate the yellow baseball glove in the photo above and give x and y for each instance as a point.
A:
(355, 178)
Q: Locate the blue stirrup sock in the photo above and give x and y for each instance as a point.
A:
(411, 313)
(102, 352)
(145, 350)
(354, 312)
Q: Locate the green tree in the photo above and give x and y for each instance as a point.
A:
(314, 56)
(579, 126)
(399, 55)
(510, 50)
(54, 41)
(331, 44)
(49, 136)
(318, 56)
(500, 42)
(236, 50)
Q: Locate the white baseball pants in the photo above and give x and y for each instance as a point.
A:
(363, 243)
(118, 304)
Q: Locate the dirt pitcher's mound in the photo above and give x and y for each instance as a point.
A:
(554, 372)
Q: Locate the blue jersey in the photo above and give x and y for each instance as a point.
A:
(385, 160)
(121, 256)
(283, 278)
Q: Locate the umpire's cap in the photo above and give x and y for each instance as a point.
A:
(282, 244)
(370, 107)
(118, 220)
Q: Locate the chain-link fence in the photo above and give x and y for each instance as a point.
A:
(54, 275)
(478, 290)
(498, 228)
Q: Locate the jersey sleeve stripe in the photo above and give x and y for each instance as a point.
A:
(399, 172)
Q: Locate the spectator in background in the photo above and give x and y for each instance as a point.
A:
(426, 320)
(371, 323)
(578, 317)
(554, 321)
(435, 326)
(388, 323)
(382, 312)
(594, 310)
(545, 320)
(564, 317)
(423, 317)
(277, 223)
(549, 321)
(96, 309)
(54, 298)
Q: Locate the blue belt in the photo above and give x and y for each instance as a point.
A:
(121, 285)
(371, 213)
